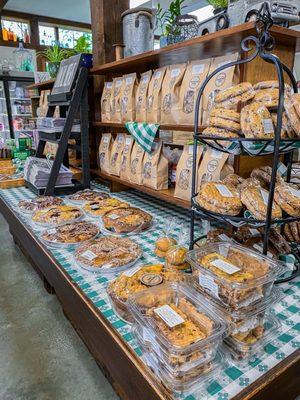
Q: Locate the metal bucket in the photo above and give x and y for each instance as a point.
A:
(138, 33)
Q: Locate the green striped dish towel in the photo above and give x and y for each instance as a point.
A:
(143, 133)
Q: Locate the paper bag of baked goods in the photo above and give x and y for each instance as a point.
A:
(105, 102)
(105, 151)
(183, 187)
(184, 110)
(155, 168)
(115, 99)
(128, 97)
(125, 159)
(170, 92)
(136, 164)
(116, 154)
(219, 82)
(211, 165)
(154, 96)
(141, 97)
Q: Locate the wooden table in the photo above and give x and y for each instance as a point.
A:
(124, 370)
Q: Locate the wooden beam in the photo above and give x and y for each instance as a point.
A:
(2, 4)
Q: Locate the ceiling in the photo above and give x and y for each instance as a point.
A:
(64, 9)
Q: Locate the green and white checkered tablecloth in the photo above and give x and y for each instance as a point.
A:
(235, 376)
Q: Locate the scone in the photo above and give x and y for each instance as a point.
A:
(233, 96)
(256, 200)
(100, 207)
(75, 232)
(126, 220)
(57, 215)
(287, 196)
(220, 198)
(256, 121)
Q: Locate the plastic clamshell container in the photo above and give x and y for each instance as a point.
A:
(249, 275)
(131, 282)
(182, 385)
(176, 344)
(67, 244)
(241, 350)
(46, 224)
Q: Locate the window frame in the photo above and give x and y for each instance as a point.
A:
(17, 20)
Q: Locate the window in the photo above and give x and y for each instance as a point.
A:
(67, 37)
(15, 29)
(203, 13)
(47, 35)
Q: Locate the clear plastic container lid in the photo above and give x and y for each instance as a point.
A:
(38, 203)
(235, 275)
(86, 195)
(178, 318)
(108, 255)
(57, 215)
(244, 347)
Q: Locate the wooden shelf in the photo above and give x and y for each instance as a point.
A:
(166, 195)
(42, 85)
(213, 45)
(186, 128)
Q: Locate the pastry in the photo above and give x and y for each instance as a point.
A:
(176, 255)
(256, 121)
(271, 85)
(286, 128)
(219, 198)
(88, 195)
(250, 337)
(279, 242)
(292, 110)
(233, 96)
(264, 174)
(75, 232)
(248, 183)
(57, 215)
(224, 123)
(164, 243)
(244, 233)
(179, 267)
(160, 253)
(100, 207)
(126, 220)
(256, 201)
(268, 97)
(219, 132)
(287, 196)
(225, 113)
(233, 179)
(39, 203)
(219, 235)
(108, 252)
(142, 278)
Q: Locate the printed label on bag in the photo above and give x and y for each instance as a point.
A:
(169, 316)
(260, 249)
(129, 80)
(145, 78)
(52, 231)
(89, 255)
(119, 83)
(208, 283)
(191, 149)
(225, 266)
(105, 139)
(282, 169)
(254, 232)
(295, 192)
(265, 196)
(224, 191)
(128, 141)
(132, 271)
(198, 69)
(157, 74)
(108, 85)
(268, 126)
(114, 216)
(151, 279)
(175, 72)
(216, 154)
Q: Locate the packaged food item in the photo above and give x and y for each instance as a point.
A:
(242, 347)
(154, 96)
(183, 187)
(211, 165)
(126, 220)
(82, 196)
(136, 164)
(292, 231)
(170, 93)
(104, 152)
(177, 325)
(167, 240)
(278, 241)
(219, 132)
(218, 83)
(57, 215)
(39, 203)
(141, 97)
(225, 119)
(271, 85)
(292, 110)
(234, 96)
(96, 208)
(128, 97)
(70, 234)
(155, 168)
(108, 255)
(176, 255)
(256, 200)
(115, 99)
(264, 174)
(219, 235)
(286, 128)
(256, 121)
(105, 101)
(287, 196)
(125, 158)
(116, 154)
(268, 97)
(141, 277)
(219, 198)
(257, 244)
(235, 276)
(233, 179)
(183, 112)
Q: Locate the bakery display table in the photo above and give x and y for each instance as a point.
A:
(275, 374)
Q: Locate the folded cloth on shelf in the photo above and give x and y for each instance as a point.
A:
(143, 133)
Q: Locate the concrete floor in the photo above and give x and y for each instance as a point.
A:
(41, 356)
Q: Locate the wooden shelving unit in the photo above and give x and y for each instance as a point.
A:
(119, 126)
(42, 85)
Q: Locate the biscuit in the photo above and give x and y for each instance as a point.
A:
(233, 91)
(224, 123)
(256, 121)
(255, 199)
(220, 132)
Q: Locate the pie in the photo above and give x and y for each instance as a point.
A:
(57, 215)
(88, 195)
(100, 207)
(126, 220)
(75, 232)
(39, 203)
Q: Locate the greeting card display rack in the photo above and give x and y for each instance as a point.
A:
(258, 46)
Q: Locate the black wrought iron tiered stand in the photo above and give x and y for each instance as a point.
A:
(259, 46)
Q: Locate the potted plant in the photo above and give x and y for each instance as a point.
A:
(54, 55)
(218, 5)
(165, 20)
(83, 45)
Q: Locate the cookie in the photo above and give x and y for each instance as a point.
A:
(234, 91)
(287, 196)
(256, 121)
(269, 97)
(286, 127)
(233, 179)
(292, 116)
(220, 132)
(263, 175)
(231, 115)
(224, 123)
(271, 85)
(256, 201)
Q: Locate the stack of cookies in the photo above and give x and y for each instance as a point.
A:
(163, 245)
